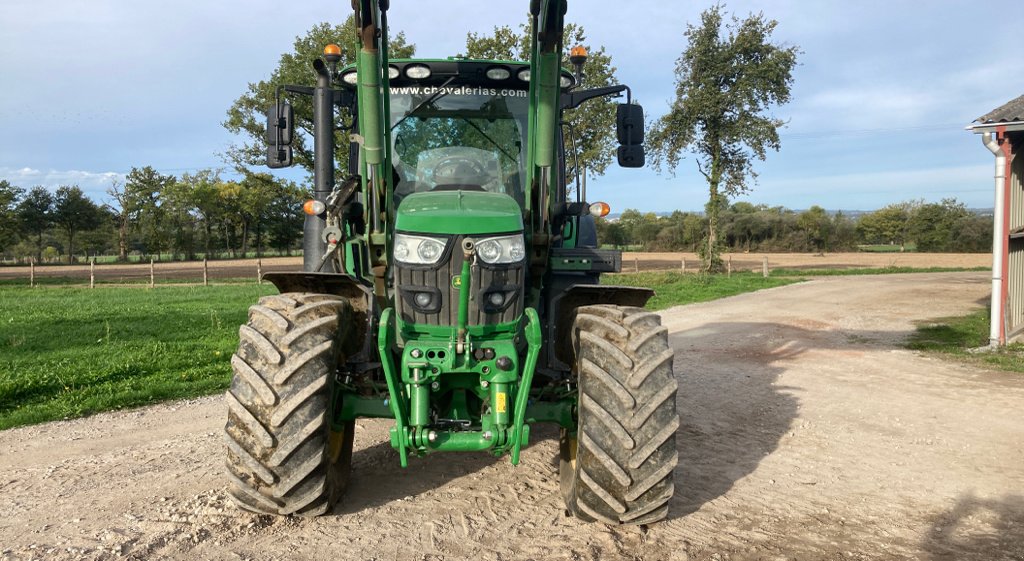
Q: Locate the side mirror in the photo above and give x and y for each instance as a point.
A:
(631, 156)
(279, 157)
(280, 129)
(629, 124)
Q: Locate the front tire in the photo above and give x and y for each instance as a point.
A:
(283, 455)
(618, 467)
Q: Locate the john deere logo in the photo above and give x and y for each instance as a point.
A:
(456, 282)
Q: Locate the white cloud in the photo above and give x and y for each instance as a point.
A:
(93, 183)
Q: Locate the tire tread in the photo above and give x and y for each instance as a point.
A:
(626, 439)
(278, 405)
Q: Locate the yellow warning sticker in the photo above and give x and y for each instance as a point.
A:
(501, 404)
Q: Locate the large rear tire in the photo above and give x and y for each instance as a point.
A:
(618, 467)
(283, 455)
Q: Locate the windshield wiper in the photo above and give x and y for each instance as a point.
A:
(434, 97)
(489, 139)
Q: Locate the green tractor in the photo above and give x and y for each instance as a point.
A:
(452, 285)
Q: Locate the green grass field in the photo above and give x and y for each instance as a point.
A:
(675, 289)
(955, 337)
(68, 352)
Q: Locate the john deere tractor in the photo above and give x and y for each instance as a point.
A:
(451, 285)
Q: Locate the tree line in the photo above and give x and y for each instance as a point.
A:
(153, 215)
(945, 226)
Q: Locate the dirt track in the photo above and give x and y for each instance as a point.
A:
(807, 433)
(246, 268)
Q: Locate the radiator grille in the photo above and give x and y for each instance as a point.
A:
(485, 278)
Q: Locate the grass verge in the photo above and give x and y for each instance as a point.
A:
(871, 271)
(675, 289)
(68, 352)
(956, 337)
(887, 248)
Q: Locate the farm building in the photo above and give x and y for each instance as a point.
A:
(1002, 131)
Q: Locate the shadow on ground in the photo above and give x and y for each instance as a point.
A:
(978, 529)
(732, 407)
(378, 478)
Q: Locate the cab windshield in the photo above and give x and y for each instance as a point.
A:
(459, 137)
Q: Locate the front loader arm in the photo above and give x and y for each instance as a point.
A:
(374, 131)
(548, 21)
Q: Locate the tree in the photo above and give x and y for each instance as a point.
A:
(144, 192)
(610, 233)
(817, 225)
(202, 193)
(973, 234)
(9, 196)
(35, 216)
(285, 217)
(120, 216)
(247, 116)
(73, 212)
(103, 238)
(726, 81)
(594, 122)
(229, 195)
(933, 225)
(177, 205)
(844, 233)
(887, 225)
(258, 190)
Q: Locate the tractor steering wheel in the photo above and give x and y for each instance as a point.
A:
(459, 170)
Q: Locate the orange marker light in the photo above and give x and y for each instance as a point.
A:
(313, 208)
(600, 209)
(578, 50)
(332, 49)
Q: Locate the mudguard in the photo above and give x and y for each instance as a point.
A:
(563, 314)
(358, 347)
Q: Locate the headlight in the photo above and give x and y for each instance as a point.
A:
(503, 249)
(417, 71)
(418, 250)
(498, 73)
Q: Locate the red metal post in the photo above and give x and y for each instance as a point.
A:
(1005, 145)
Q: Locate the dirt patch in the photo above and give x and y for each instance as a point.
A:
(807, 433)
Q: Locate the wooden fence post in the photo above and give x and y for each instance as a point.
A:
(636, 264)
(206, 273)
(31, 272)
(764, 268)
(259, 271)
(152, 274)
(682, 265)
(92, 273)
(728, 267)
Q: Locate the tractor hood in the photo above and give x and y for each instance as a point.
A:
(459, 212)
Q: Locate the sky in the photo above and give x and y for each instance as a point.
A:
(880, 98)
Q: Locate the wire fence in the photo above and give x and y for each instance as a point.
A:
(151, 274)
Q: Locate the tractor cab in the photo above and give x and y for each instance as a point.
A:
(458, 125)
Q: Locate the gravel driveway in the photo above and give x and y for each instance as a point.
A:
(807, 433)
